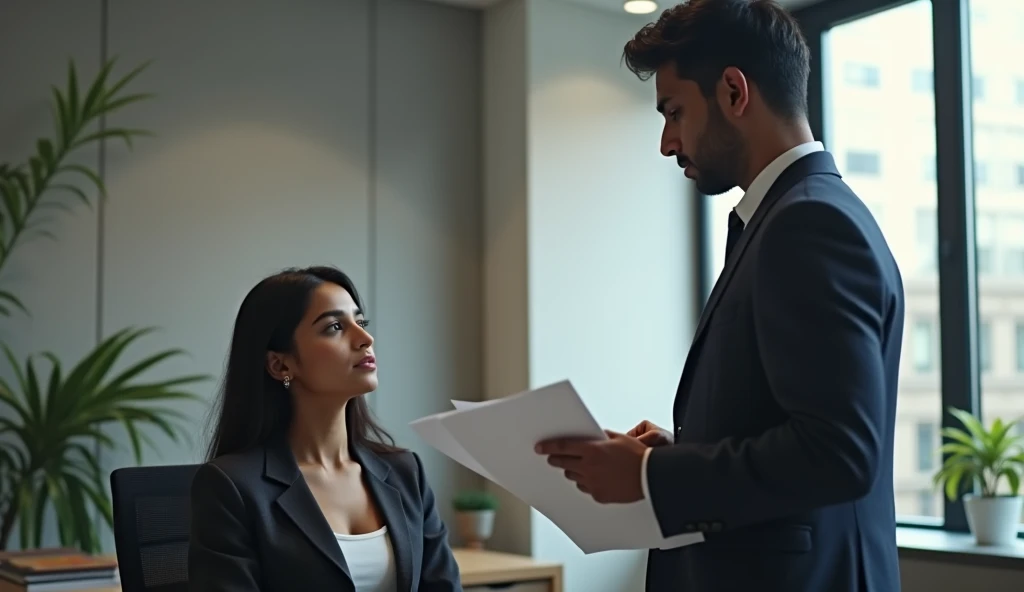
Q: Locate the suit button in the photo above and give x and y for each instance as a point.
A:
(716, 527)
(679, 430)
(703, 527)
(690, 527)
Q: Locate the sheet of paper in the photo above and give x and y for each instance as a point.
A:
(500, 435)
(434, 433)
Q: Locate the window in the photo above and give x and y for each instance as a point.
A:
(923, 346)
(999, 132)
(985, 236)
(978, 88)
(927, 242)
(980, 173)
(926, 502)
(1010, 241)
(922, 81)
(864, 75)
(985, 345)
(927, 443)
(863, 163)
(1019, 338)
(929, 168)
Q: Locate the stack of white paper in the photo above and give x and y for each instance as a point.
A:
(496, 439)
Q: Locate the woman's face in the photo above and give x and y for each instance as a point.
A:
(333, 351)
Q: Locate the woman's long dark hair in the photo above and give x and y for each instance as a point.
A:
(252, 406)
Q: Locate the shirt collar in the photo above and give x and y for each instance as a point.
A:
(766, 178)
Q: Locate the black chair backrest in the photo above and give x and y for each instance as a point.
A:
(151, 526)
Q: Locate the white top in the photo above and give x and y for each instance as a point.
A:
(370, 559)
(745, 209)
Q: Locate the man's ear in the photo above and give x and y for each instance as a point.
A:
(278, 367)
(734, 91)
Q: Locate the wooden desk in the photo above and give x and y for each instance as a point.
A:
(482, 569)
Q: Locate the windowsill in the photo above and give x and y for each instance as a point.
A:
(938, 545)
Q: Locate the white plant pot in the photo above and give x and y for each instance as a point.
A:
(994, 520)
(475, 527)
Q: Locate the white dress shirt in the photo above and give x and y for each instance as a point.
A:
(370, 559)
(745, 209)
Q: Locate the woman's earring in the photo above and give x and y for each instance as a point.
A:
(287, 382)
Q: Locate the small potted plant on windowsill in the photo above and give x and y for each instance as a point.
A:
(984, 458)
(474, 516)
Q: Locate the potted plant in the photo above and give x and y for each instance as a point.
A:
(983, 459)
(55, 421)
(474, 516)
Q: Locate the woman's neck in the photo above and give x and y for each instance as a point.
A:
(319, 434)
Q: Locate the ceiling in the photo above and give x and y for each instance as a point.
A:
(612, 5)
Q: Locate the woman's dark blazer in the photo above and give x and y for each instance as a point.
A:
(256, 526)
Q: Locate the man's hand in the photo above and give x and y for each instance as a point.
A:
(606, 470)
(650, 434)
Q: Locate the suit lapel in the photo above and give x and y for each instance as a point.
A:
(389, 501)
(298, 503)
(814, 163)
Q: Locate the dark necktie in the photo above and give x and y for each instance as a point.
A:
(735, 230)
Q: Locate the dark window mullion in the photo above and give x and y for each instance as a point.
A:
(958, 291)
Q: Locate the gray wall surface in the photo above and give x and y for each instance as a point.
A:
(344, 132)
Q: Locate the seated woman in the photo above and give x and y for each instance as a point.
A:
(303, 490)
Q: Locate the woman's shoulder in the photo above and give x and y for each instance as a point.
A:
(240, 468)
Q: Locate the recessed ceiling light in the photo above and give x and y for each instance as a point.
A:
(640, 6)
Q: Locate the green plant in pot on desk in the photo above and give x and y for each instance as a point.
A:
(474, 517)
(986, 459)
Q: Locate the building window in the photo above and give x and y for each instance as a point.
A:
(926, 502)
(929, 168)
(864, 75)
(923, 347)
(980, 173)
(1020, 175)
(978, 88)
(926, 442)
(1014, 261)
(985, 345)
(1020, 92)
(1020, 346)
(985, 241)
(922, 81)
(863, 163)
(927, 241)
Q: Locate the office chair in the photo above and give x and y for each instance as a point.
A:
(151, 526)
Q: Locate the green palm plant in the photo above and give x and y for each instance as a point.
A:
(28, 191)
(54, 425)
(58, 434)
(980, 457)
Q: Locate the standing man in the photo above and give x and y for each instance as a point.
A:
(782, 449)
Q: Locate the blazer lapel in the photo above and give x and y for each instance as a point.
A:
(814, 163)
(389, 500)
(298, 503)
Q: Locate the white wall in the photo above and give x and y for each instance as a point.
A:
(344, 132)
(611, 274)
(608, 259)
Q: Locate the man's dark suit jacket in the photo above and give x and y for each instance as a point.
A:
(785, 411)
(256, 526)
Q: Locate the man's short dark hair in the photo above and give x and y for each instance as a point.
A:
(704, 37)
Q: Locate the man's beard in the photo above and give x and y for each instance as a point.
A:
(719, 154)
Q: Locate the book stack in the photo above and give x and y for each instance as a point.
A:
(55, 570)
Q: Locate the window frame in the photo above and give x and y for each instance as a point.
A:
(960, 373)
